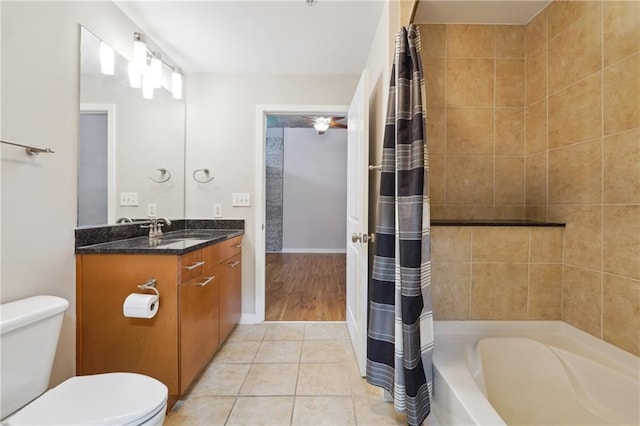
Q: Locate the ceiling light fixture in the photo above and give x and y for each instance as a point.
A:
(139, 52)
(321, 124)
(135, 76)
(156, 70)
(147, 85)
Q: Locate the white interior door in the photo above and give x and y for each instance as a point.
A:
(357, 211)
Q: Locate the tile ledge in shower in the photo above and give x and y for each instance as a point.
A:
(493, 222)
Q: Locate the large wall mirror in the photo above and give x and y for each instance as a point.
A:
(131, 158)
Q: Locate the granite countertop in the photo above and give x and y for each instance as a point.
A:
(176, 242)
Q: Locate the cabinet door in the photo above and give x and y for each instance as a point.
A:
(198, 325)
(230, 294)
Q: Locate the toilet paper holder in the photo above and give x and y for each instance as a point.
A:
(150, 285)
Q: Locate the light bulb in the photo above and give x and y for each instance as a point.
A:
(107, 59)
(135, 76)
(321, 124)
(147, 85)
(156, 70)
(176, 85)
(139, 52)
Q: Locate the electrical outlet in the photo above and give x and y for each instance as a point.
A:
(152, 210)
(240, 199)
(129, 199)
(217, 210)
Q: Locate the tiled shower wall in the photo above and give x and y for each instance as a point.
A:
(475, 111)
(583, 157)
(576, 135)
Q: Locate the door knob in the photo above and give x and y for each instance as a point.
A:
(356, 237)
(368, 238)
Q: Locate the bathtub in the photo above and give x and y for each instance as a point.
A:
(530, 372)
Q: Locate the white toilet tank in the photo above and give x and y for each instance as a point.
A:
(30, 329)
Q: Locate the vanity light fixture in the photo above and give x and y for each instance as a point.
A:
(147, 85)
(155, 69)
(139, 52)
(107, 59)
(321, 124)
(176, 84)
(135, 76)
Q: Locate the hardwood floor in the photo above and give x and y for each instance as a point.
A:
(305, 287)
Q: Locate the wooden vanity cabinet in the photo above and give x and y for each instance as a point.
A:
(199, 305)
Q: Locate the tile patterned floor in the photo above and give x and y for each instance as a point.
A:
(284, 374)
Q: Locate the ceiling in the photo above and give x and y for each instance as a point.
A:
(289, 36)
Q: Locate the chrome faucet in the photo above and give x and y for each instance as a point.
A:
(155, 226)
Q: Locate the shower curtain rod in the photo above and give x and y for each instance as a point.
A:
(414, 9)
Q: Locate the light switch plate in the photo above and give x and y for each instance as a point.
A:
(129, 199)
(241, 199)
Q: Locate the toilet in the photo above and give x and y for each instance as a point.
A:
(29, 331)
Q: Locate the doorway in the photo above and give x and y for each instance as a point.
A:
(305, 173)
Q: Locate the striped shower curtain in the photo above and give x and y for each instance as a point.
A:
(400, 331)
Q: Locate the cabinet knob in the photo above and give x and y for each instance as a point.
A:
(207, 281)
(238, 245)
(234, 264)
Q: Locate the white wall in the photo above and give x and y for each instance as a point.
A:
(40, 104)
(221, 135)
(315, 191)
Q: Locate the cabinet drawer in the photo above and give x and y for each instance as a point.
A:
(191, 265)
(217, 253)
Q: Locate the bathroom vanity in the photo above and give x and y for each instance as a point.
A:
(198, 276)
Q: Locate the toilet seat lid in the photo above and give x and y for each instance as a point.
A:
(111, 398)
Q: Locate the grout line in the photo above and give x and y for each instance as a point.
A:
(602, 170)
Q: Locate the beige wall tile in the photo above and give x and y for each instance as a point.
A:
(509, 138)
(469, 131)
(470, 41)
(582, 235)
(621, 312)
(622, 95)
(509, 41)
(576, 52)
(622, 240)
(438, 211)
(536, 81)
(546, 245)
(469, 180)
(499, 291)
(510, 82)
(500, 244)
(581, 299)
(451, 244)
(433, 40)
(622, 167)
(471, 212)
(470, 82)
(450, 284)
(436, 130)
(434, 76)
(436, 179)
(509, 212)
(545, 292)
(561, 14)
(536, 135)
(575, 113)
(575, 173)
(536, 32)
(509, 180)
(621, 22)
(536, 213)
(536, 179)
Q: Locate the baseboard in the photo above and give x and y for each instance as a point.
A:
(249, 319)
(313, 250)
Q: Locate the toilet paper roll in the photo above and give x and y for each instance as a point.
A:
(141, 305)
